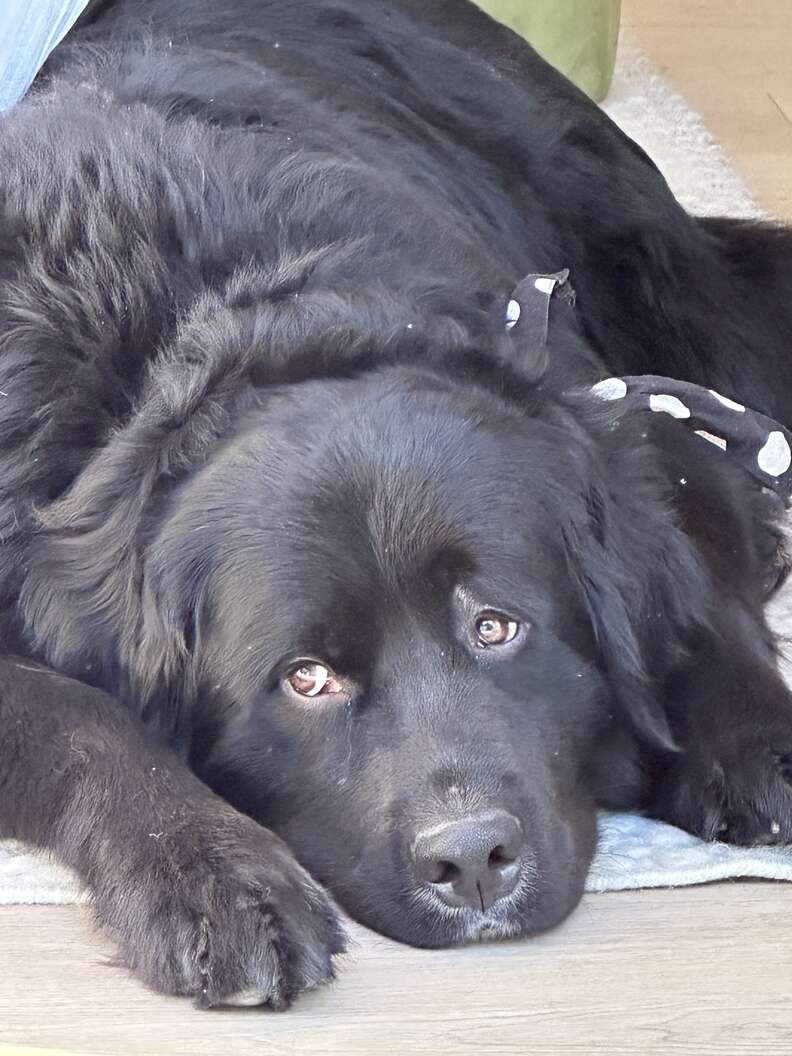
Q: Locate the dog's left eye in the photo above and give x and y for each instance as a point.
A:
(312, 679)
(493, 628)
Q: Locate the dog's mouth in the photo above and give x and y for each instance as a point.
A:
(437, 924)
(423, 908)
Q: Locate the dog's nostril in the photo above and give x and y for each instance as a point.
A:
(499, 858)
(445, 873)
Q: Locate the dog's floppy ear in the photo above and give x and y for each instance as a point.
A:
(91, 600)
(641, 581)
(94, 601)
(86, 600)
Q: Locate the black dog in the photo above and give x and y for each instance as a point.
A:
(294, 529)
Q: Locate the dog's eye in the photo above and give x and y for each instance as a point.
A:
(311, 679)
(493, 628)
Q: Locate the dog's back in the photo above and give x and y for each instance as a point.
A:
(487, 163)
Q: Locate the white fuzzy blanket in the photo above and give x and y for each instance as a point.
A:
(633, 852)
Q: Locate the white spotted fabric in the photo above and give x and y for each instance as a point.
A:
(775, 457)
(528, 307)
(718, 441)
(760, 445)
(610, 389)
(665, 404)
(545, 284)
(727, 402)
(756, 442)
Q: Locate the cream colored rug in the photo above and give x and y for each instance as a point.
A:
(633, 852)
(676, 138)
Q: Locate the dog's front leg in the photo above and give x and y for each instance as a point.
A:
(202, 900)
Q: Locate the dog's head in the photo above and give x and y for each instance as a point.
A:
(404, 617)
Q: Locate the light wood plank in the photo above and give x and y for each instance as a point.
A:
(705, 970)
(681, 14)
(733, 63)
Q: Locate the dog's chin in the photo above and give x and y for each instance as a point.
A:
(423, 920)
(489, 928)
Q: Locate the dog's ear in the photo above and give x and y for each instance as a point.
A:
(642, 584)
(92, 600)
(88, 601)
(616, 603)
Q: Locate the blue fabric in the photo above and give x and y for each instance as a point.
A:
(29, 30)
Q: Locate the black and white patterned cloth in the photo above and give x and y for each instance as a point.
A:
(759, 444)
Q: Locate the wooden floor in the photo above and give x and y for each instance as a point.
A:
(732, 61)
(702, 970)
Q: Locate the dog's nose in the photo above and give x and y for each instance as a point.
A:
(473, 861)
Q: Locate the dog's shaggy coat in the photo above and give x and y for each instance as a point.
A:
(298, 543)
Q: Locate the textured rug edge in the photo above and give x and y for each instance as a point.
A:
(695, 165)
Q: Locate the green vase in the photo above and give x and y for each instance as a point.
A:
(578, 37)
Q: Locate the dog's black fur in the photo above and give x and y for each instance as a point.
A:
(258, 404)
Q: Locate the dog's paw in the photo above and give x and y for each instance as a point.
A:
(737, 793)
(222, 912)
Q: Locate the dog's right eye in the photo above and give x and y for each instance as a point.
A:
(312, 679)
(493, 628)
